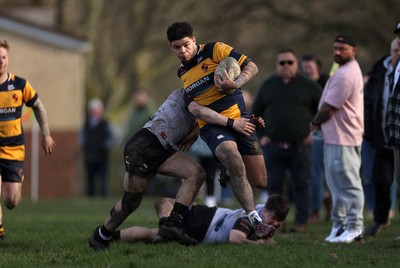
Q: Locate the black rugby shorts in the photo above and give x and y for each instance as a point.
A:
(143, 154)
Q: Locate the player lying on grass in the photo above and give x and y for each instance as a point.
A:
(212, 224)
(157, 148)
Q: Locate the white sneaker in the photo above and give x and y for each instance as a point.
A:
(335, 232)
(210, 201)
(348, 236)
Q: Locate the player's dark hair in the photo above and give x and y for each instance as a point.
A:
(179, 30)
(277, 204)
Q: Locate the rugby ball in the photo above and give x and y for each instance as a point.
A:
(232, 67)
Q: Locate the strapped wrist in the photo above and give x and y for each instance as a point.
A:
(229, 123)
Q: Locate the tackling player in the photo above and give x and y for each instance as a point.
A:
(156, 148)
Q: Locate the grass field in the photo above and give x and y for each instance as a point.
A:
(53, 233)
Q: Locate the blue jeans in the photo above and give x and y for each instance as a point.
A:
(317, 176)
(367, 166)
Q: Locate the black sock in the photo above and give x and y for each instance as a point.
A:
(116, 235)
(162, 220)
(178, 212)
(104, 233)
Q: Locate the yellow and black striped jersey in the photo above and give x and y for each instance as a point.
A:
(14, 93)
(197, 76)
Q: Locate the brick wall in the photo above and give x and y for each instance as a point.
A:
(60, 172)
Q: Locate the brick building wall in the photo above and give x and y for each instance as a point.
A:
(60, 172)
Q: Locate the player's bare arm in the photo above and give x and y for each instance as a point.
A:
(241, 125)
(138, 234)
(238, 237)
(48, 143)
(188, 141)
(248, 72)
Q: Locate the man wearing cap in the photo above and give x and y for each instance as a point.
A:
(393, 112)
(341, 119)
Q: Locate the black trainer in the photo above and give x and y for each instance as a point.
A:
(173, 233)
(160, 240)
(96, 242)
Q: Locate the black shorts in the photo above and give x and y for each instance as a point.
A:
(11, 170)
(143, 154)
(198, 220)
(214, 135)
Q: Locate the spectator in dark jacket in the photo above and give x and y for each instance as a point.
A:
(96, 139)
(376, 95)
(287, 101)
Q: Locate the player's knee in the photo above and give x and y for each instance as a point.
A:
(130, 202)
(11, 202)
(260, 185)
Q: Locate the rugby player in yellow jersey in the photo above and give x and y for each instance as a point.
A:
(241, 155)
(14, 93)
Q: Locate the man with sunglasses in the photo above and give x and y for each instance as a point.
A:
(341, 119)
(288, 101)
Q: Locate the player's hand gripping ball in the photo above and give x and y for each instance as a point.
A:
(232, 67)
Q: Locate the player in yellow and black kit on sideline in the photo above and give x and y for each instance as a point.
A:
(14, 93)
(240, 155)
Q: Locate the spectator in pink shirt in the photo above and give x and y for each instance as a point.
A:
(341, 119)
